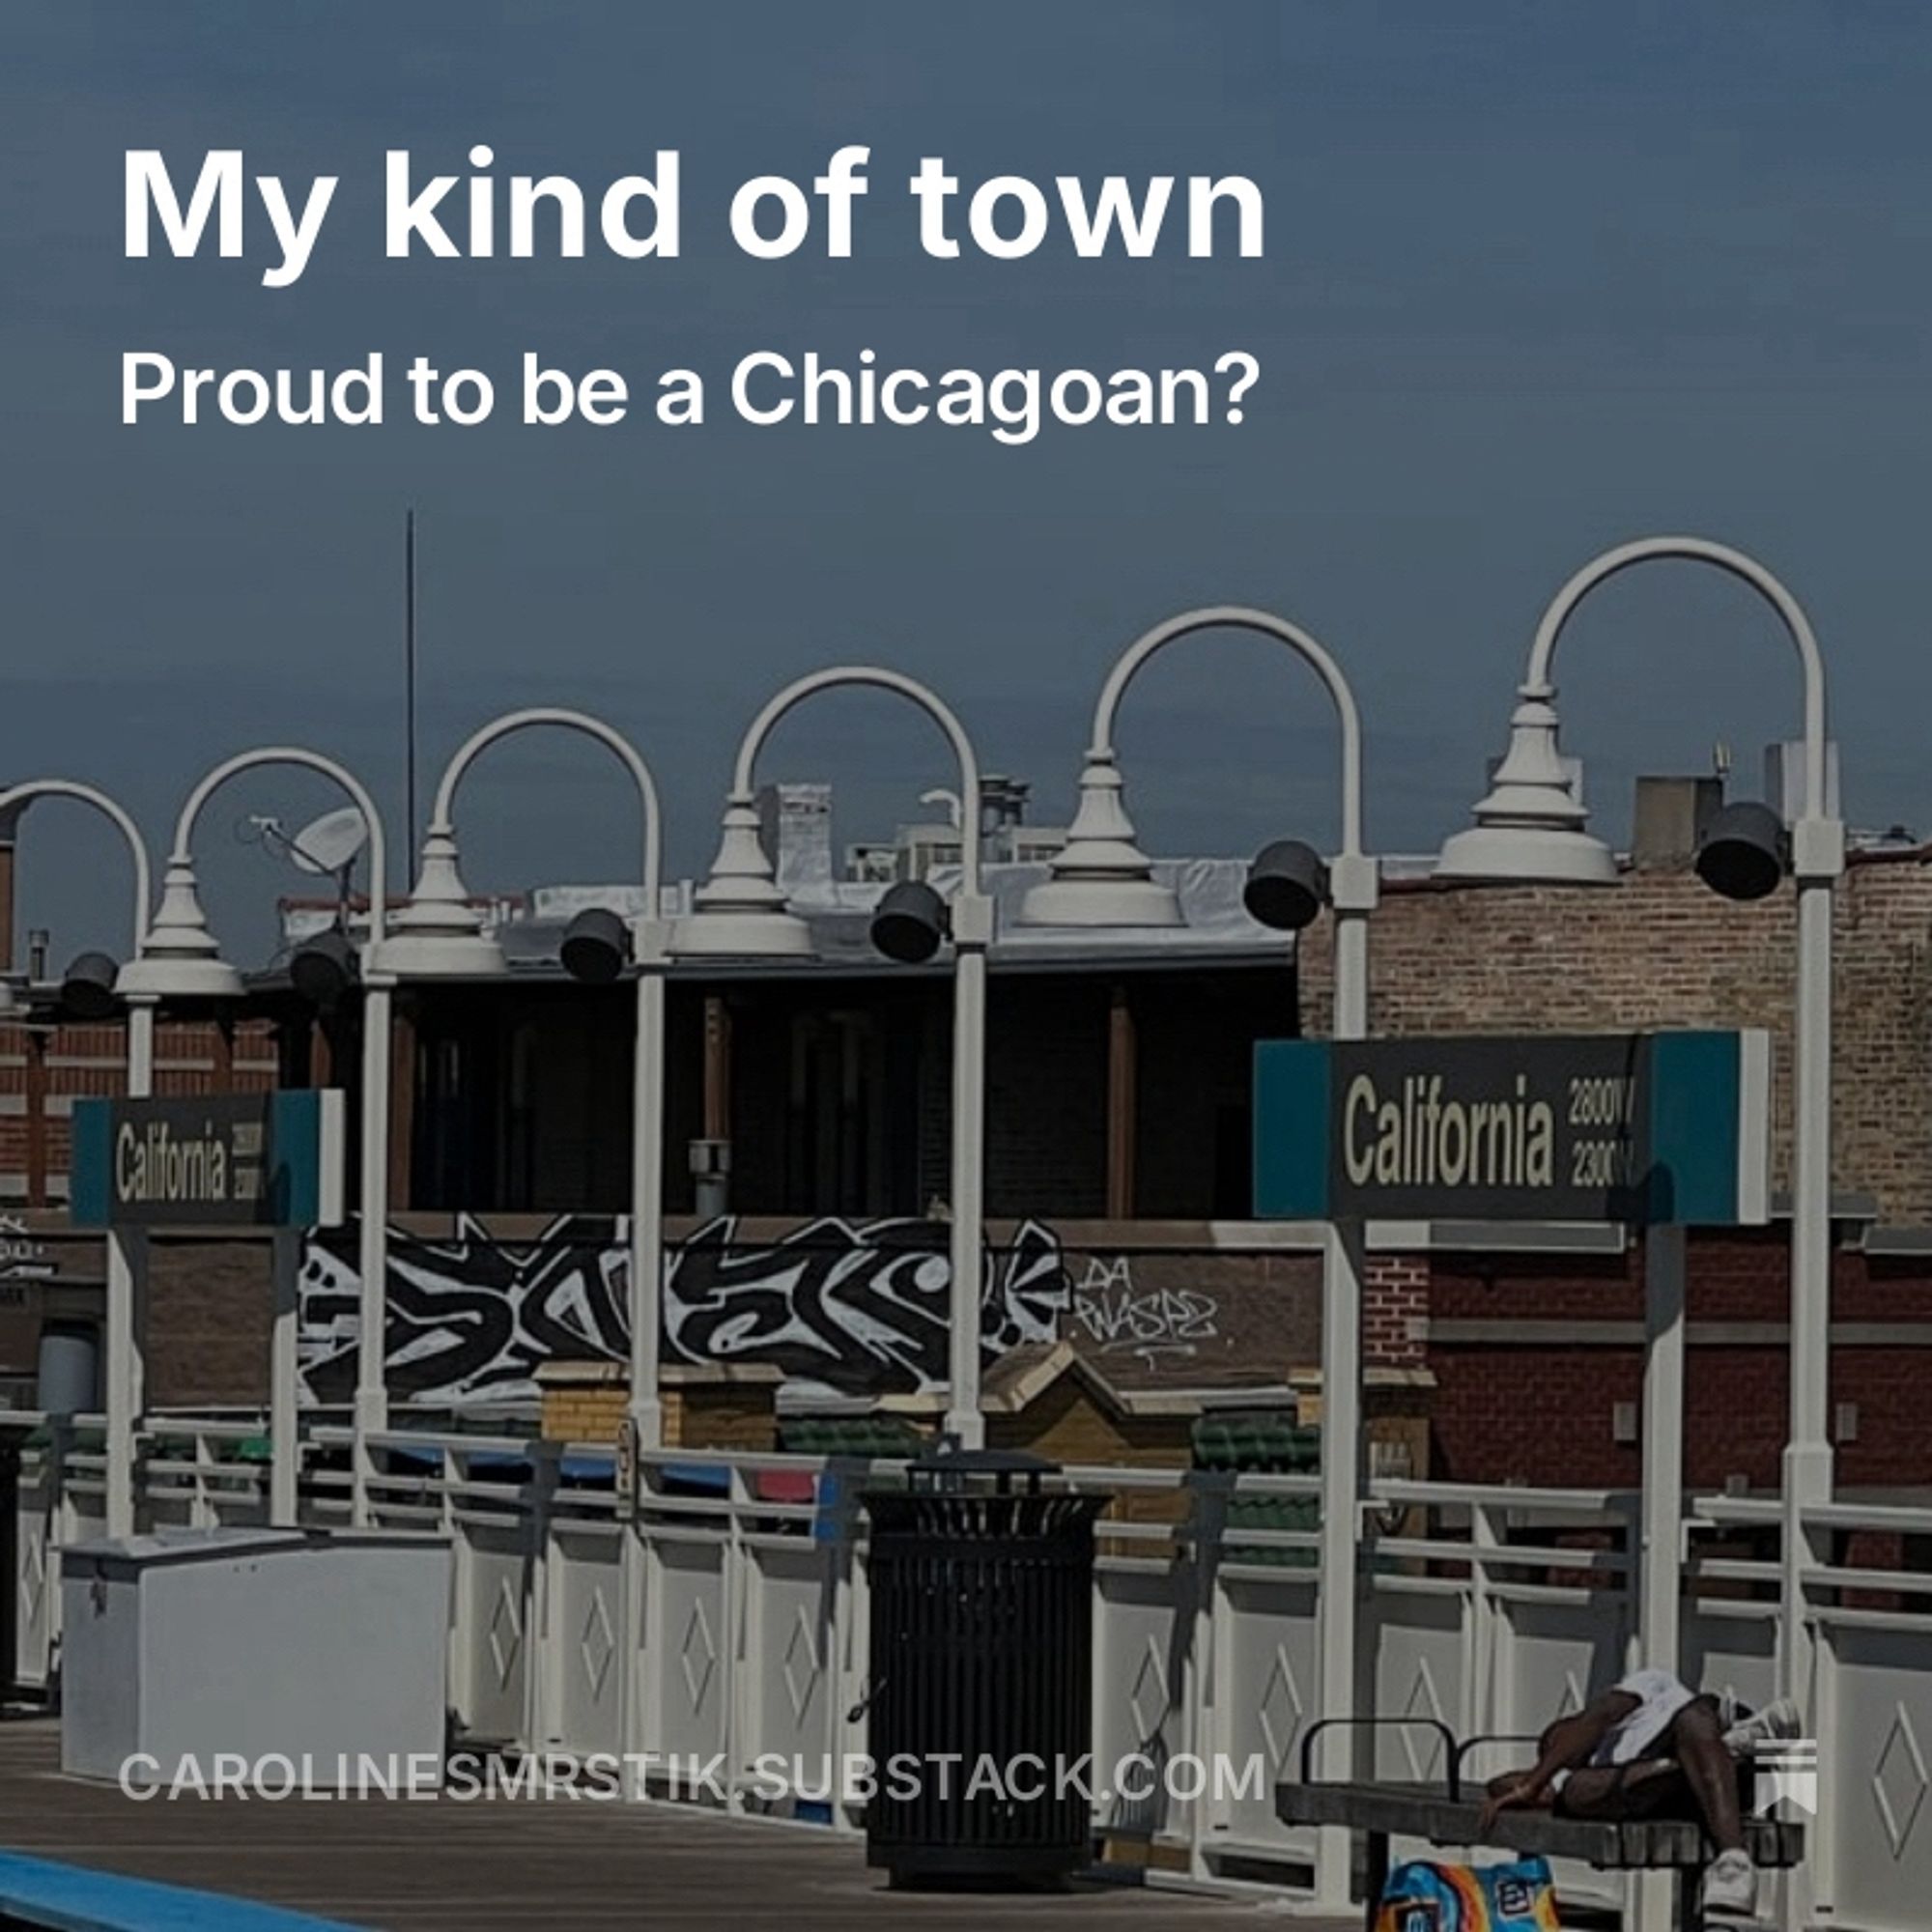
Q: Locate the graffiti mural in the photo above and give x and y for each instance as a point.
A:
(858, 1307)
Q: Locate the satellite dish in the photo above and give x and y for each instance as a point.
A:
(329, 845)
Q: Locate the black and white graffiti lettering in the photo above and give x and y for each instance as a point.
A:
(855, 1307)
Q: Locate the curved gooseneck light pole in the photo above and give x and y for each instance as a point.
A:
(122, 1367)
(1102, 878)
(140, 1011)
(741, 911)
(1530, 828)
(181, 959)
(439, 932)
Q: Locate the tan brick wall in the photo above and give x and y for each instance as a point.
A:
(584, 1414)
(725, 1418)
(1661, 949)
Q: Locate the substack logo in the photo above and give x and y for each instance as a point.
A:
(1785, 1771)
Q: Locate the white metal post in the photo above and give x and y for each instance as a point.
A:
(126, 1254)
(1106, 860)
(1818, 860)
(284, 1419)
(372, 1399)
(1528, 828)
(1660, 1613)
(649, 944)
(743, 902)
(178, 955)
(124, 1379)
(1338, 1603)
(140, 1050)
(126, 1258)
(1818, 854)
(1659, 1616)
(972, 934)
(1354, 890)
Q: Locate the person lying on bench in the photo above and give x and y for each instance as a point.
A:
(1652, 1749)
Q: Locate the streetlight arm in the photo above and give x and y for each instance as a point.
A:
(1235, 616)
(442, 822)
(1700, 550)
(315, 761)
(25, 794)
(929, 701)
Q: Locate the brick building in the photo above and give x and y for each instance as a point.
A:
(1537, 1358)
(1118, 1126)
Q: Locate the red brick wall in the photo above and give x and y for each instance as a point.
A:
(1395, 1311)
(1658, 950)
(1545, 1412)
(86, 1061)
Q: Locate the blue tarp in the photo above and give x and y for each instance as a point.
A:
(66, 1898)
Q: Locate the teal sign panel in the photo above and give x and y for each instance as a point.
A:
(215, 1160)
(1664, 1127)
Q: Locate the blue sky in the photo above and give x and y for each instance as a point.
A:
(1538, 278)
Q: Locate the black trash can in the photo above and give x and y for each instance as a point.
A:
(982, 1663)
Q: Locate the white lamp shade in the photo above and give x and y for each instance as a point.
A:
(718, 932)
(1100, 876)
(739, 912)
(1527, 855)
(438, 935)
(155, 978)
(179, 959)
(1529, 829)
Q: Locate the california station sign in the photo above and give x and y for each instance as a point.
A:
(219, 1161)
(1619, 1127)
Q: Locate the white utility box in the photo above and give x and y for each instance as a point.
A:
(321, 1648)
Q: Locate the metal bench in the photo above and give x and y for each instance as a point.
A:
(1448, 1815)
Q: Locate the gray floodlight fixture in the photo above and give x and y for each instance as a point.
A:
(596, 947)
(910, 923)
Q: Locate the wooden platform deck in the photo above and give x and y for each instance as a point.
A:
(440, 1867)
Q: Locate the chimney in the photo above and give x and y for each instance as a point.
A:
(795, 825)
(1669, 818)
(1003, 801)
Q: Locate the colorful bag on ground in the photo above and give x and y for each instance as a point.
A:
(1426, 1897)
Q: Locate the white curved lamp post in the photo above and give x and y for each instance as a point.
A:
(182, 959)
(741, 913)
(123, 1367)
(140, 1007)
(1101, 878)
(439, 935)
(1529, 829)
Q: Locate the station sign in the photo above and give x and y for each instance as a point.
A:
(215, 1160)
(1646, 1128)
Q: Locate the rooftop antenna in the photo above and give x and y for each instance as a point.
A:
(409, 678)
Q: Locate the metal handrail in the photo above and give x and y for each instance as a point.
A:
(1451, 1758)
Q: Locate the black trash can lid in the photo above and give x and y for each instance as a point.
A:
(946, 1454)
(944, 1465)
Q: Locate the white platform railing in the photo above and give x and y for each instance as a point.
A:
(726, 1625)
